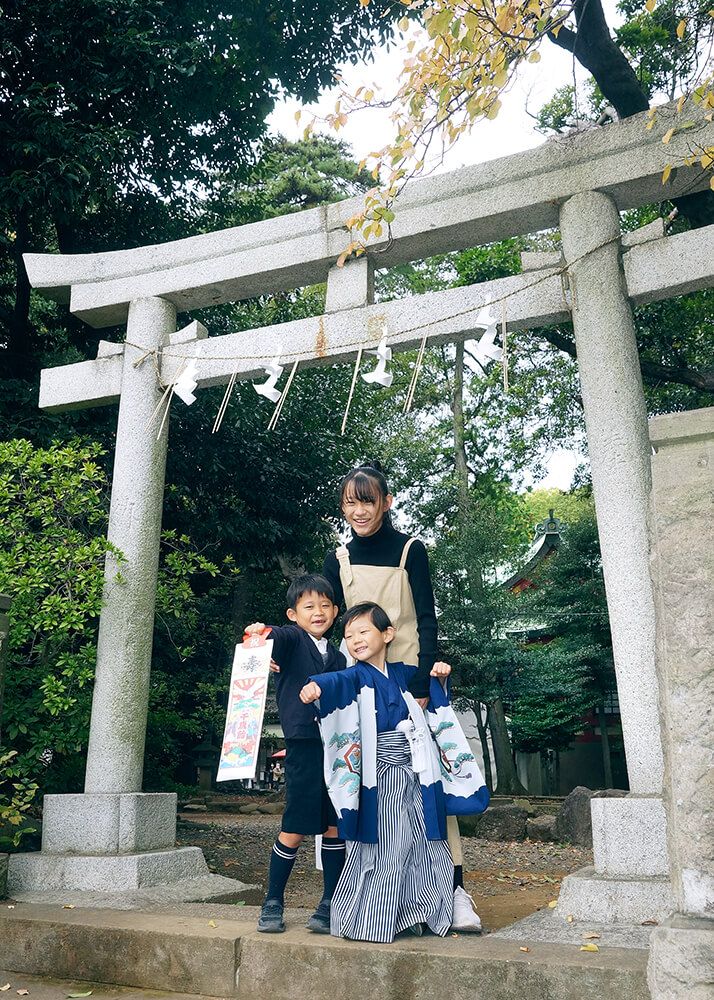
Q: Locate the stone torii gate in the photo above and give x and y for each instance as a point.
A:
(114, 833)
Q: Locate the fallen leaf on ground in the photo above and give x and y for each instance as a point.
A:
(5, 987)
(67, 906)
(523, 948)
(11, 906)
(649, 923)
(212, 923)
(589, 947)
(74, 996)
(570, 918)
(22, 993)
(552, 904)
(591, 937)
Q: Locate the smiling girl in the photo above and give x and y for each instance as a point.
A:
(388, 567)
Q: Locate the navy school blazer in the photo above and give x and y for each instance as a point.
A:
(299, 658)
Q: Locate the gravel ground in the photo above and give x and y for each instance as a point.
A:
(508, 880)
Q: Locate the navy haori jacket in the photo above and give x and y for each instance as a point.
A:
(299, 658)
(351, 717)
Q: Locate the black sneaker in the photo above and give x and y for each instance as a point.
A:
(319, 922)
(271, 920)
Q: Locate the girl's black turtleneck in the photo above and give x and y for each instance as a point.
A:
(384, 548)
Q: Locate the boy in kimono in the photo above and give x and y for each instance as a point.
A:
(394, 775)
(300, 650)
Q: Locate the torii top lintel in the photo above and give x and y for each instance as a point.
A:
(467, 207)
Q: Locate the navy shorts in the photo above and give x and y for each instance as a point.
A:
(308, 808)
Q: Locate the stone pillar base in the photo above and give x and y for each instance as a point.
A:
(589, 895)
(47, 873)
(630, 836)
(681, 962)
(98, 823)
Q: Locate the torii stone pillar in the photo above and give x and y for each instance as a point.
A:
(629, 881)
(114, 837)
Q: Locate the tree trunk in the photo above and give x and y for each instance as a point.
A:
(605, 745)
(485, 749)
(594, 49)
(460, 463)
(19, 352)
(242, 599)
(598, 52)
(507, 781)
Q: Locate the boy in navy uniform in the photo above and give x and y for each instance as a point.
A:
(301, 650)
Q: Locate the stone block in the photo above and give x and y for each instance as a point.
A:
(147, 821)
(629, 836)
(500, 822)
(3, 875)
(107, 873)
(652, 231)
(541, 828)
(587, 895)
(537, 260)
(109, 824)
(248, 810)
(459, 968)
(128, 948)
(271, 808)
(350, 286)
(681, 962)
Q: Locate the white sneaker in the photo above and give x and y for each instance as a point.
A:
(465, 918)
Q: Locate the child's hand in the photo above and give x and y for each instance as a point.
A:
(440, 669)
(255, 629)
(311, 692)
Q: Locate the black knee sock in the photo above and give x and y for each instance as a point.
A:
(282, 859)
(333, 861)
(458, 877)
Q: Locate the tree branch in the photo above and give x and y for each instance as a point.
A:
(652, 371)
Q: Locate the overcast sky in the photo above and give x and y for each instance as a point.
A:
(511, 132)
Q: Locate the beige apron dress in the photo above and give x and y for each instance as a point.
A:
(389, 587)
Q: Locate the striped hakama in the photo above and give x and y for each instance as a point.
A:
(404, 879)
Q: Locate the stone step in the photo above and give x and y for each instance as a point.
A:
(124, 947)
(183, 953)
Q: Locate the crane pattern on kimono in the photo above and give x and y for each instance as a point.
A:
(450, 767)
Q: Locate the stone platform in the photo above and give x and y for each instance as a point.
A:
(214, 951)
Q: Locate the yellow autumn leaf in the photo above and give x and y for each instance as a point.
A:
(589, 947)
(680, 103)
(298, 115)
(552, 904)
(707, 157)
(364, 3)
(404, 24)
(681, 28)
(650, 5)
(666, 172)
(212, 923)
(534, 57)
(711, 182)
(667, 136)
